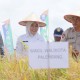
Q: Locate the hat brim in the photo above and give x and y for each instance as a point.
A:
(70, 18)
(24, 23)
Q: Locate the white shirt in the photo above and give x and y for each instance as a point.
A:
(24, 41)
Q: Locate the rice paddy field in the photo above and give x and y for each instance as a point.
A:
(12, 68)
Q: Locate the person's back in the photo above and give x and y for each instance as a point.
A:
(57, 34)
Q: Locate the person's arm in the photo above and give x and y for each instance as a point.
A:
(19, 47)
(75, 55)
(1, 45)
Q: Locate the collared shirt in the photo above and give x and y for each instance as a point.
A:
(24, 41)
(73, 37)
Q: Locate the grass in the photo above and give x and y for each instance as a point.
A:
(12, 68)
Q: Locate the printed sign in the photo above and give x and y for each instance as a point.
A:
(48, 55)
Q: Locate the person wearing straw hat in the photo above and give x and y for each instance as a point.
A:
(57, 34)
(32, 24)
(73, 34)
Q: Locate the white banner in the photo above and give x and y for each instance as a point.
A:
(48, 55)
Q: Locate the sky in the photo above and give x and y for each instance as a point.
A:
(16, 10)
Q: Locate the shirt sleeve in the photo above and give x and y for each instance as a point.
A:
(19, 47)
(40, 38)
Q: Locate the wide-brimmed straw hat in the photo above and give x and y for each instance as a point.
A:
(32, 18)
(72, 17)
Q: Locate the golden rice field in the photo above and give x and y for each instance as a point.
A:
(18, 69)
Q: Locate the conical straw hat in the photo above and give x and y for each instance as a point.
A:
(32, 18)
(71, 17)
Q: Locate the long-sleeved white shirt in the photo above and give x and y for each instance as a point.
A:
(24, 41)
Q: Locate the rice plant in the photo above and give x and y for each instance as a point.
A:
(12, 68)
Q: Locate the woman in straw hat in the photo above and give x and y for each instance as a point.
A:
(73, 34)
(32, 24)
